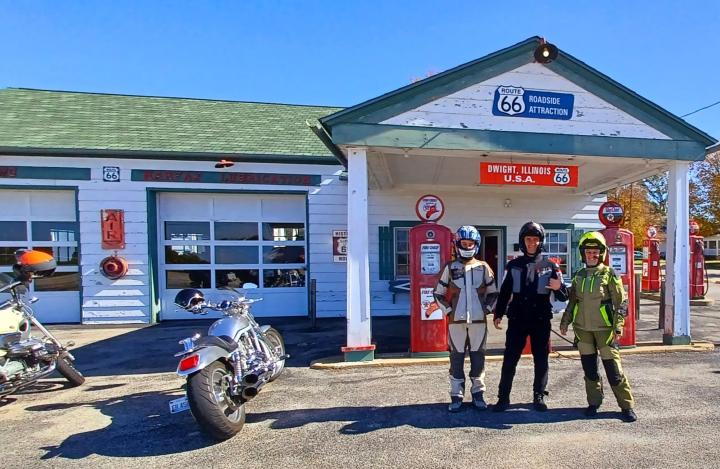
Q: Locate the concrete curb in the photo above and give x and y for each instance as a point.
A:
(389, 360)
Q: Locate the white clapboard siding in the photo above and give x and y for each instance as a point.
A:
(471, 108)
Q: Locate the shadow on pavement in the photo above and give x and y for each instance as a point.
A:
(425, 416)
(143, 415)
(151, 349)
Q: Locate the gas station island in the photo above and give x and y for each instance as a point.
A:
(521, 134)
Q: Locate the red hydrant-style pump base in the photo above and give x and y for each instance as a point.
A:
(114, 267)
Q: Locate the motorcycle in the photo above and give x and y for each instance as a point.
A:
(229, 366)
(26, 357)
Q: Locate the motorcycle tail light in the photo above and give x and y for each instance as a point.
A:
(189, 362)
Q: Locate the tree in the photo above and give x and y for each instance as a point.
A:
(657, 190)
(705, 194)
(640, 212)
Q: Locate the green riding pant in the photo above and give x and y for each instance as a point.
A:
(590, 343)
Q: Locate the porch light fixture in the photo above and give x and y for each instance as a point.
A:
(545, 52)
(224, 164)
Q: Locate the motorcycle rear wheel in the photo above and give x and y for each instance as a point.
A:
(276, 341)
(210, 402)
(66, 367)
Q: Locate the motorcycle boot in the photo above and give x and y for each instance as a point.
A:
(455, 404)
(591, 410)
(539, 401)
(479, 401)
(501, 405)
(628, 415)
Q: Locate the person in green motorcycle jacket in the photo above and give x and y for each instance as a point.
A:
(596, 309)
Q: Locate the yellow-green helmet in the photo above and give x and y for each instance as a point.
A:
(593, 240)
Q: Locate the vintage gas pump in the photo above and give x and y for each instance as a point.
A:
(621, 243)
(430, 249)
(698, 285)
(651, 262)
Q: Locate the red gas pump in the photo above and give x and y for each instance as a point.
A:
(698, 284)
(651, 262)
(621, 243)
(430, 249)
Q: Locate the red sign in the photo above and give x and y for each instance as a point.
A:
(112, 226)
(526, 174)
(429, 208)
(611, 214)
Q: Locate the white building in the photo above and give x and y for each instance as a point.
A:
(270, 218)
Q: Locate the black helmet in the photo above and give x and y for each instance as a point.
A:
(532, 229)
(189, 298)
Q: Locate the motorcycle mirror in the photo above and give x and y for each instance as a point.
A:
(249, 286)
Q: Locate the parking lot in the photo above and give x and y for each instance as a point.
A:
(369, 417)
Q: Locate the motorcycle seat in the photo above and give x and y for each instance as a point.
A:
(224, 342)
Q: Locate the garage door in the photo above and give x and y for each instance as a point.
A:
(208, 241)
(46, 221)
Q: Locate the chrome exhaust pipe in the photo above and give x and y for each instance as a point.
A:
(249, 392)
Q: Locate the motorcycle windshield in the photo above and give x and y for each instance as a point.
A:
(5, 280)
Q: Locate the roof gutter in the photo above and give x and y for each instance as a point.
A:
(321, 132)
(712, 149)
(167, 155)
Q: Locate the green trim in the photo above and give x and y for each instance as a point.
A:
(627, 100)
(360, 356)
(35, 187)
(76, 190)
(153, 271)
(307, 252)
(442, 84)
(558, 226)
(217, 177)
(36, 172)
(429, 354)
(676, 340)
(169, 155)
(397, 136)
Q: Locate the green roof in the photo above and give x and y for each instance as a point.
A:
(121, 124)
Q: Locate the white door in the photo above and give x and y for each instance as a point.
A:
(211, 240)
(45, 221)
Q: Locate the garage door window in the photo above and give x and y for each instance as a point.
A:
(216, 254)
(57, 238)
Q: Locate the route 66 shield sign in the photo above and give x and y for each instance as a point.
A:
(510, 100)
(561, 176)
(111, 173)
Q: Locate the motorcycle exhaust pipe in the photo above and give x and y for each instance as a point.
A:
(249, 392)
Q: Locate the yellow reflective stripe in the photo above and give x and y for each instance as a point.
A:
(610, 339)
(574, 313)
(582, 287)
(603, 313)
(592, 283)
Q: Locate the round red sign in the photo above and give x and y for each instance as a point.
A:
(694, 227)
(611, 214)
(651, 231)
(430, 208)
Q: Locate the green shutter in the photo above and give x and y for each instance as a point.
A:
(386, 253)
(575, 255)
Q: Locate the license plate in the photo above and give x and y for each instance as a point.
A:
(179, 405)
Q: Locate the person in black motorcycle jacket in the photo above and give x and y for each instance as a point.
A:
(525, 299)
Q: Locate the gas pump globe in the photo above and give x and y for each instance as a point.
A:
(621, 243)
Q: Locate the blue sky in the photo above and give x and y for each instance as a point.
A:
(343, 52)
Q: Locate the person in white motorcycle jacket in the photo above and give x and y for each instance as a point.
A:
(466, 292)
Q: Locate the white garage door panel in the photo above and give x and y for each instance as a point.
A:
(216, 239)
(45, 220)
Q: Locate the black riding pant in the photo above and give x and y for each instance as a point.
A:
(519, 329)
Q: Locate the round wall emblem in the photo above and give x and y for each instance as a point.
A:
(430, 208)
